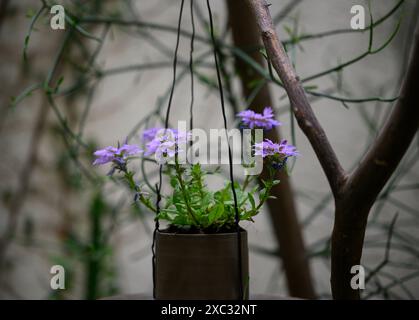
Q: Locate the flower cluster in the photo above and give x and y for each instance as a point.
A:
(165, 143)
(268, 148)
(253, 120)
(192, 204)
(117, 156)
(277, 153)
(149, 134)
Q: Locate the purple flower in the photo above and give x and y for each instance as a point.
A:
(166, 144)
(105, 155)
(282, 150)
(287, 150)
(115, 155)
(161, 136)
(166, 151)
(266, 148)
(129, 150)
(149, 134)
(253, 120)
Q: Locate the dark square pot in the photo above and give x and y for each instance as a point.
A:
(200, 266)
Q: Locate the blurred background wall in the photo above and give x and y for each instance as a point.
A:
(55, 209)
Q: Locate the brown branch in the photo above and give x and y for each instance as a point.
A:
(366, 182)
(282, 209)
(355, 194)
(298, 99)
(383, 157)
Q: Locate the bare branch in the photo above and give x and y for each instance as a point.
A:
(384, 155)
(297, 96)
(282, 209)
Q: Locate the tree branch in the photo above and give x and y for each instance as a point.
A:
(297, 96)
(354, 194)
(383, 157)
(282, 209)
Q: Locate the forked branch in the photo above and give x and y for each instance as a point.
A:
(354, 194)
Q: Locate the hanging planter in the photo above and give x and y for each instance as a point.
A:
(203, 254)
(200, 266)
(198, 256)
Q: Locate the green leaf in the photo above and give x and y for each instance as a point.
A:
(215, 213)
(173, 181)
(34, 18)
(252, 201)
(206, 200)
(80, 29)
(25, 93)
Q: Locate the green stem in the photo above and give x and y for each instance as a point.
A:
(183, 190)
(146, 202)
(129, 176)
(268, 188)
(246, 182)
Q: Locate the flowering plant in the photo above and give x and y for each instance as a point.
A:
(191, 204)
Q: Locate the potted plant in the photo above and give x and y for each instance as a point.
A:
(203, 253)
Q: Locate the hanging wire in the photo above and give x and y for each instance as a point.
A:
(166, 125)
(191, 66)
(158, 186)
(230, 160)
(169, 105)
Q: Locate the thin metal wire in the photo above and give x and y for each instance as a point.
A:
(230, 160)
(166, 125)
(191, 66)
